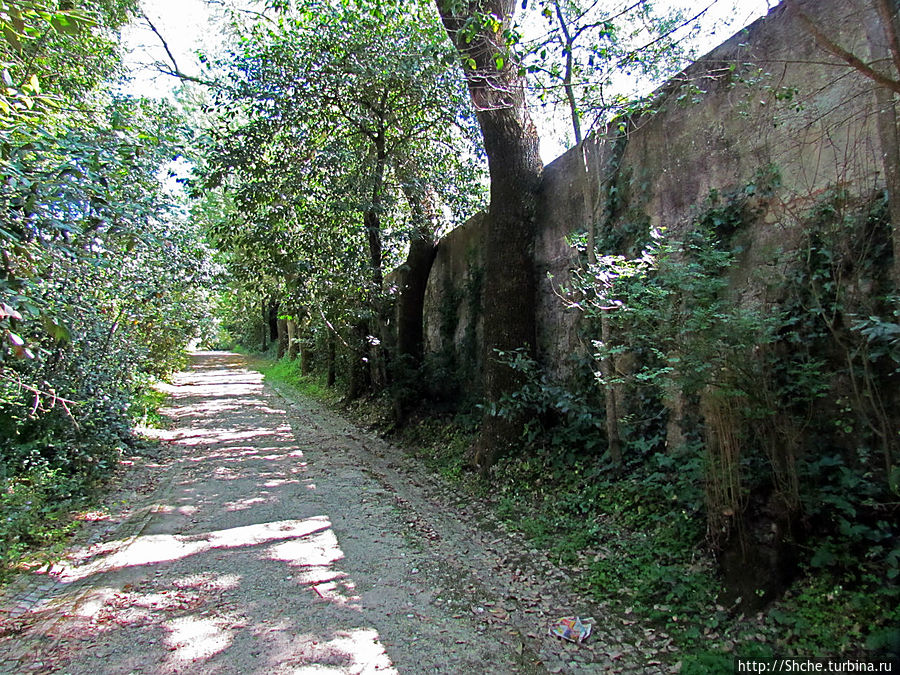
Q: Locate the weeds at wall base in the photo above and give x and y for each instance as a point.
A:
(442, 443)
(289, 372)
(636, 544)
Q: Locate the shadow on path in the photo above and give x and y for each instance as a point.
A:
(237, 571)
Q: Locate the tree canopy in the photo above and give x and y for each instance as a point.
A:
(340, 134)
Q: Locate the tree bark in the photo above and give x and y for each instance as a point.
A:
(359, 376)
(372, 214)
(372, 220)
(407, 364)
(265, 325)
(292, 339)
(305, 355)
(272, 318)
(413, 280)
(281, 327)
(331, 371)
(611, 397)
(511, 145)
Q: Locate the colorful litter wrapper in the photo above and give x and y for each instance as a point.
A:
(570, 628)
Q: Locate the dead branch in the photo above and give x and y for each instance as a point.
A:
(174, 70)
(835, 49)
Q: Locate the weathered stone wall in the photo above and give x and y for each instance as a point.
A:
(769, 97)
(452, 313)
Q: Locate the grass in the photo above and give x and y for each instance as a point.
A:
(290, 373)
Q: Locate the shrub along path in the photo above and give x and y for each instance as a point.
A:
(277, 538)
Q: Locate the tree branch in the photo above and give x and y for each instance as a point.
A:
(835, 49)
(633, 53)
(889, 21)
(174, 71)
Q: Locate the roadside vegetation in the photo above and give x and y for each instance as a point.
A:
(102, 280)
(721, 466)
(638, 544)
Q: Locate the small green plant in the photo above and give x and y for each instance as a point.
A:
(290, 372)
(146, 404)
(842, 614)
(35, 521)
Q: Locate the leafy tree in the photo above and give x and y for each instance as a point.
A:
(102, 282)
(70, 51)
(591, 54)
(327, 118)
(481, 31)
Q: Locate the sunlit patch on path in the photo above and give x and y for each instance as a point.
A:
(236, 569)
(157, 548)
(263, 541)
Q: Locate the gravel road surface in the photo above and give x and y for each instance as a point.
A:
(270, 536)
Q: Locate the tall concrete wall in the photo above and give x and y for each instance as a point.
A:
(767, 97)
(452, 312)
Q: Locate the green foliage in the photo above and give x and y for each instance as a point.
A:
(339, 134)
(780, 405)
(35, 507)
(635, 539)
(51, 54)
(290, 373)
(102, 282)
(144, 407)
(569, 422)
(882, 334)
(846, 616)
(101, 275)
(581, 49)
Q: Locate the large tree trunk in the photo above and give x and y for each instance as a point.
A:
(407, 363)
(331, 370)
(412, 276)
(265, 325)
(412, 282)
(359, 375)
(511, 144)
(281, 326)
(272, 318)
(376, 357)
(292, 339)
(305, 357)
(372, 214)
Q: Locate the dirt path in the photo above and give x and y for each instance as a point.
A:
(272, 537)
